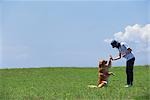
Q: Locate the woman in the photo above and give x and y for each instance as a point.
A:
(126, 52)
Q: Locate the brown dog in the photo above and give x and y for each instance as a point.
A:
(103, 72)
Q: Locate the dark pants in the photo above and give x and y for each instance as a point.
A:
(129, 71)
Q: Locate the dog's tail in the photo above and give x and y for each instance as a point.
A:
(92, 86)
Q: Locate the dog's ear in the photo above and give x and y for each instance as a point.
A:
(101, 63)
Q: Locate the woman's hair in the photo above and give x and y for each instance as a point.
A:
(115, 43)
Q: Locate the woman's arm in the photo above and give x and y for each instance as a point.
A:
(117, 57)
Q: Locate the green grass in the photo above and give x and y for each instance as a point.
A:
(71, 84)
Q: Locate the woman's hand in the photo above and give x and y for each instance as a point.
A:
(110, 57)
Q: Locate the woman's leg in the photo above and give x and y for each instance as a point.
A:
(129, 71)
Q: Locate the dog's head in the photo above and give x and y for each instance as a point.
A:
(102, 62)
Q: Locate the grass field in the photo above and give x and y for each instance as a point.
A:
(71, 84)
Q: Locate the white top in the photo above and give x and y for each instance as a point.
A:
(124, 52)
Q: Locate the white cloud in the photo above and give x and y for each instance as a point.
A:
(108, 40)
(137, 35)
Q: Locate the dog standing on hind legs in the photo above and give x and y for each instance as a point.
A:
(103, 72)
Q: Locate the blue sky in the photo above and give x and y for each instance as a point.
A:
(66, 33)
